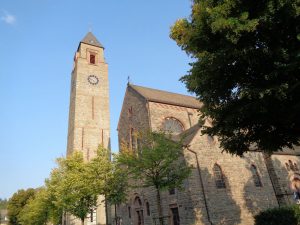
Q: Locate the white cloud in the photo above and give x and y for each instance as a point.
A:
(8, 18)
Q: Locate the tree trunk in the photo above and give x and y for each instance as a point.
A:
(116, 216)
(159, 209)
(82, 221)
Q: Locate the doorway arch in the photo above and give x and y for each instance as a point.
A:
(138, 211)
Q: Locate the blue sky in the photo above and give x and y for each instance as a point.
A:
(38, 39)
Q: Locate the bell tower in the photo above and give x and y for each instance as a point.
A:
(89, 119)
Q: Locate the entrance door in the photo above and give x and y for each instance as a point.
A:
(175, 216)
(140, 217)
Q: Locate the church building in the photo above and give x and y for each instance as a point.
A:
(222, 189)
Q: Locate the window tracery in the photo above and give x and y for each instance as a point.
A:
(219, 178)
(291, 166)
(172, 125)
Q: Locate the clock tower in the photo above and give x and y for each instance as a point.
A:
(89, 120)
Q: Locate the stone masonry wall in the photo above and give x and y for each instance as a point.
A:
(159, 111)
(241, 199)
(284, 175)
(137, 119)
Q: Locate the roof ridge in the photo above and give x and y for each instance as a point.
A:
(166, 97)
(154, 89)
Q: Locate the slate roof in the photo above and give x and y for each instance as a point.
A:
(90, 39)
(154, 95)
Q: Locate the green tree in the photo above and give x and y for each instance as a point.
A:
(17, 203)
(108, 180)
(159, 164)
(40, 210)
(246, 70)
(71, 186)
(3, 203)
(116, 188)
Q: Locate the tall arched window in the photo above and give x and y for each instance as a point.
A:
(148, 208)
(172, 125)
(287, 166)
(219, 178)
(256, 177)
(132, 139)
(291, 165)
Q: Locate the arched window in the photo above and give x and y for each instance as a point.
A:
(129, 212)
(287, 166)
(210, 139)
(172, 125)
(291, 165)
(296, 167)
(219, 178)
(132, 139)
(92, 58)
(256, 177)
(148, 208)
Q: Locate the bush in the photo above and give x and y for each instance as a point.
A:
(279, 216)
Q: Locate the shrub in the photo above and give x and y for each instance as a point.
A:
(279, 216)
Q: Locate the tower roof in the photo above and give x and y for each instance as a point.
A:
(90, 39)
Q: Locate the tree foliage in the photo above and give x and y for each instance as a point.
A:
(279, 216)
(109, 180)
(71, 186)
(3, 203)
(246, 70)
(16, 204)
(76, 184)
(158, 163)
(40, 210)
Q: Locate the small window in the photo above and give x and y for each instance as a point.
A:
(287, 166)
(130, 111)
(219, 178)
(148, 208)
(291, 165)
(296, 167)
(129, 212)
(172, 191)
(256, 177)
(132, 139)
(92, 59)
(210, 139)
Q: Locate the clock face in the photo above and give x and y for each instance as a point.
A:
(92, 79)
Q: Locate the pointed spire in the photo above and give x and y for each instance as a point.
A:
(90, 39)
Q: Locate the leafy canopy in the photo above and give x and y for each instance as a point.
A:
(16, 204)
(107, 178)
(40, 210)
(158, 163)
(75, 184)
(71, 186)
(3, 203)
(246, 70)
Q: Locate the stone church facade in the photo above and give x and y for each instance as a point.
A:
(222, 189)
